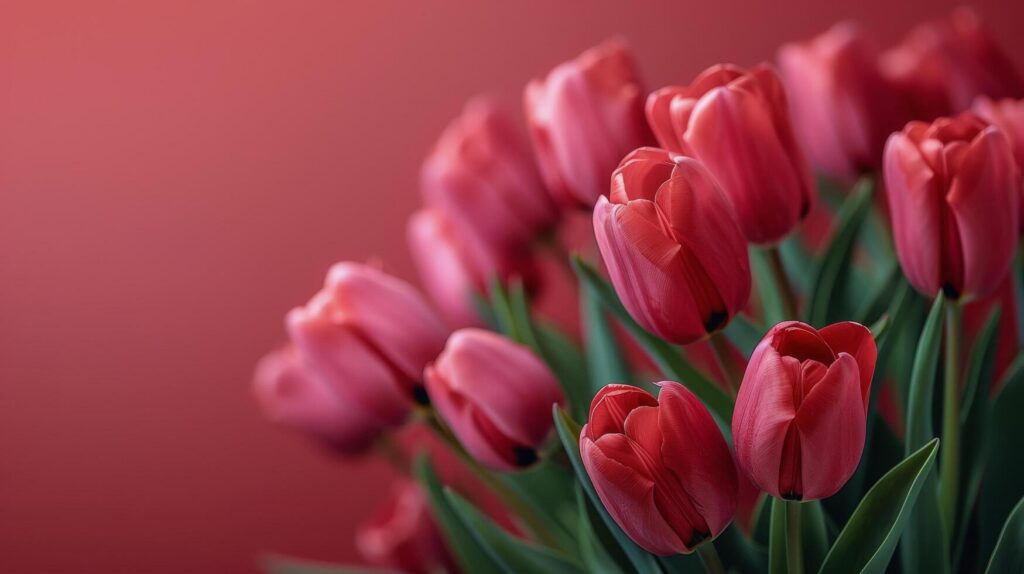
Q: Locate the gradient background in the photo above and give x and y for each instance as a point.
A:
(174, 176)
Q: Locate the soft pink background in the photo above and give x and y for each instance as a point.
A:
(175, 175)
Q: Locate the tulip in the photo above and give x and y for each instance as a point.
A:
(660, 466)
(1008, 116)
(368, 336)
(800, 414)
(674, 252)
(403, 535)
(482, 174)
(583, 117)
(737, 123)
(291, 396)
(952, 188)
(843, 108)
(942, 66)
(495, 395)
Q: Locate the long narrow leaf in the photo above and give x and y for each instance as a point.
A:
(1004, 471)
(605, 362)
(1008, 557)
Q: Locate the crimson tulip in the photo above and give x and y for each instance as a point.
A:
(495, 395)
(953, 190)
(402, 534)
(673, 249)
(1007, 115)
(799, 421)
(660, 466)
(737, 123)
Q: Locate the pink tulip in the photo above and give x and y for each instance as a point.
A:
(660, 466)
(368, 336)
(737, 123)
(584, 116)
(496, 396)
(953, 190)
(1008, 116)
(402, 534)
(673, 250)
(843, 108)
(800, 415)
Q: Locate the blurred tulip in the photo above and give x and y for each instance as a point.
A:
(584, 116)
(672, 246)
(941, 66)
(660, 466)
(495, 395)
(800, 415)
(291, 396)
(368, 336)
(403, 534)
(1008, 116)
(482, 173)
(843, 108)
(737, 123)
(952, 188)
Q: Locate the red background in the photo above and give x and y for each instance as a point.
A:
(175, 176)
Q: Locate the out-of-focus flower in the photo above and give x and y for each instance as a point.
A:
(843, 108)
(368, 335)
(482, 173)
(291, 396)
(673, 249)
(737, 123)
(952, 187)
(941, 66)
(495, 395)
(1007, 115)
(583, 117)
(402, 534)
(800, 415)
(660, 466)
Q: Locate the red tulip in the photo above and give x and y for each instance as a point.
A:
(843, 108)
(403, 535)
(660, 466)
(800, 415)
(584, 116)
(672, 247)
(483, 175)
(496, 396)
(953, 190)
(368, 336)
(290, 395)
(1008, 116)
(941, 66)
(737, 123)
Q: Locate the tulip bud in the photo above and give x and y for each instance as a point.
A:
(482, 173)
(1008, 116)
(403, 535)
(941, 66)
(843, 108)
(953, 189)
(660, 466)
(496, 396)
(584, 116)
(800, 414)
(291, 396)
(674, 252)
(368, 336)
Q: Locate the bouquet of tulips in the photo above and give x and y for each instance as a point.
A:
(742, 368)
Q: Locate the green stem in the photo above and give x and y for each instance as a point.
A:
(723, 355)
(782, 282)
(794, 547)
(949, 467)
(709, 556)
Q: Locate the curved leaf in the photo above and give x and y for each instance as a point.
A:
(1004, 470)
(605, 362)
(593, 550)
(1008, 557)
(767, 286)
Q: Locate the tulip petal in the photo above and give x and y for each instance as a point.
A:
(640, 175)
(856, 340)
(611, 406)
(659, 116)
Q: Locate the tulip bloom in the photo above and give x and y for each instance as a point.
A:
(496, 396)
(800, 414)
(291, 396)
(583, 117)
(483, 175)
(673, 250)
(843, 108)
(1008, 116)
(403, 535)
(660, 466)
(953, 190)
(368, 336)
(737, 123)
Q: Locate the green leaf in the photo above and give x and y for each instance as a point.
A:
(595, 548)
(1004, 470)
(605, 362)
(777, 560)
(869, 539)
(744, 334)
(275, 564)
(667, 357)
(569, 365)
(767, 286)
(826, 287)
(813, 534)
(548, 490)
(739, 553)
(881, 298)
(1008, 557)
(798, 261)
